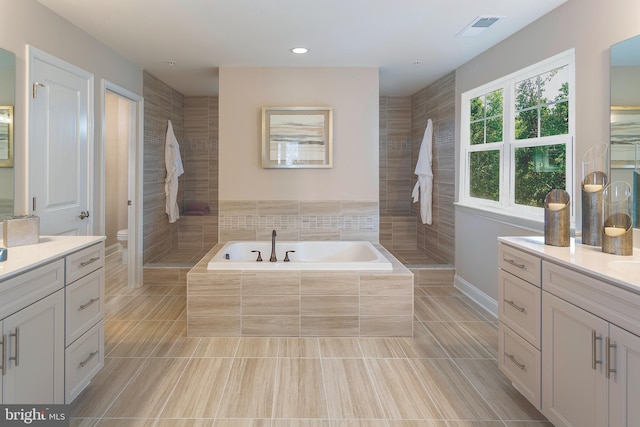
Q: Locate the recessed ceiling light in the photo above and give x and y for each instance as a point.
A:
(299, 50)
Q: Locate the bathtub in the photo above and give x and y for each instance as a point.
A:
(333, 255)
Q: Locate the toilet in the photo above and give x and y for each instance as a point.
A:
(123, 238)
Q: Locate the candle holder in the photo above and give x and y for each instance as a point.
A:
(594, 179)
(636, 198)
(636, 187)
(617, 233)
(556, 218)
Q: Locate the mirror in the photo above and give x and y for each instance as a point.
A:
(625, 117)
(7, 101)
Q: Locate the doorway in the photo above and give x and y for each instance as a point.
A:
(122, 177)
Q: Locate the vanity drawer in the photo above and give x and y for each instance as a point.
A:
(618, 306)
(23, 290)
(520, 362)
(519, 263)
(84, 358)
(83, 262)
(84, 305)
(519, 305)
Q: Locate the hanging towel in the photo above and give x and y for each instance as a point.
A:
(173, 163)
(424, 186)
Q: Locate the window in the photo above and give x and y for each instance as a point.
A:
(517, 138)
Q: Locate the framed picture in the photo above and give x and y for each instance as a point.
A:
(297, 137)
(6, 136)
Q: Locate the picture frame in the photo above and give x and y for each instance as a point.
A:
(297, 137)
(6, 136)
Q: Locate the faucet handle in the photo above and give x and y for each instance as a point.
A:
(286, 256)
(259, 256)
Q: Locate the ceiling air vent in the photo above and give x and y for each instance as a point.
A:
(478, 25)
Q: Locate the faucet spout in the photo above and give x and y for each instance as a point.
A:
(273, 247)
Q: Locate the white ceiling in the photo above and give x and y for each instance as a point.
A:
(202, 35)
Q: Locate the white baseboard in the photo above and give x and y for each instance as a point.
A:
(112, 249)
(477, 295)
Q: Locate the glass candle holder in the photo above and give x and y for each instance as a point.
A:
(636, 188)
(595, 163)
(617, 232)
(557, 213)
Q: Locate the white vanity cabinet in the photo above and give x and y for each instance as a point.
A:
(519, 314)
(84, 335)
(591, 365)
(578, 312)
(32, 336)
(36, 296)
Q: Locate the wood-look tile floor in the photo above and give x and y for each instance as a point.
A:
(446, 376)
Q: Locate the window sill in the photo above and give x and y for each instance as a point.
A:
(535, 225)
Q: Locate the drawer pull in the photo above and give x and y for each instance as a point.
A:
(513, 359)
(16, 335)
(513, 262)
(609, 346)
(91, 356)
(91, 261)
(514, 305)
(594, 338)
(3, 360)
(91, 301)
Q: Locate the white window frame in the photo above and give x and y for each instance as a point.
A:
(506, 204)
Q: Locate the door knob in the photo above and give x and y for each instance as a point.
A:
(84, 214)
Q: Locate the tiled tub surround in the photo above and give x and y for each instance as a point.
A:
(300, 303)
(298, 220)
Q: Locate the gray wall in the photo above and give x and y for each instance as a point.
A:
(589, 26)
(27, 22)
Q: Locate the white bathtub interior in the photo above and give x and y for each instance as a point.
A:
(317, 255)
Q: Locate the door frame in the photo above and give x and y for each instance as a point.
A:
(135, 176)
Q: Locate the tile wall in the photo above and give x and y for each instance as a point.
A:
(161, 103)
(402, 124)
(394, 222)
(200, 160)
(437, 102)
(195, 124)
(398, 229)
(298, 220)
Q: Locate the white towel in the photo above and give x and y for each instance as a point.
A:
(424, 186)
(173, 163)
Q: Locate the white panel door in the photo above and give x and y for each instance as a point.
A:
(624, 384)
(60, 153)
(574, 385)
(35, 352)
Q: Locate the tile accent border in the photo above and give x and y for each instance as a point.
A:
(298, 220)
